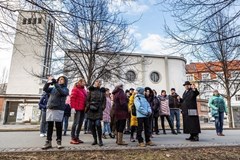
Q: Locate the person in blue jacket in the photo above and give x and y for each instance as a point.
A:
(218, 107)
(143, 111)
(43, 107)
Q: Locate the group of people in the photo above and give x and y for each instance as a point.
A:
(141, 107)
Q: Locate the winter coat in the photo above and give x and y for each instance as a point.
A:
(97, 97)
(156, 107)
(164, 106)
(107, 110)
(120, 101)
(43, 101)
(67, 110)
(58, 95)
(143, 108)
(78, 98)
(133, 121)
(189, 101)
(217, 104)
(173, 101)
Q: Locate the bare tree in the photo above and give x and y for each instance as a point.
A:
(93, 39)
(208, 30)
(3, 81)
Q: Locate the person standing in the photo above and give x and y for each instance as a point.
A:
(96, 103)
(55, 108)
(77, 102)
(155, 109)
(121, 114)
(218, 107)
(143, 111)
(67, 114)
(188, 101)
(165, 111)
(43, 107)
(149, 95)
(174, 106)
(106, 115)
(133, 120)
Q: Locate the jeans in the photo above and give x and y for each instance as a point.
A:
(176, 113)
(58, 130)
(77, 124)
(143, 123)
(106, 128)
(65, 123)
(219, 122)
(44, 124)
(96, 129)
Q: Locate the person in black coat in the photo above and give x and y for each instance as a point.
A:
(188, 101)
(67, 114)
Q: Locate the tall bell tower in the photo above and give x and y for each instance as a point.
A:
(32, 52)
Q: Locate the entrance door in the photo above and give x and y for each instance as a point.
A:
(12, 112)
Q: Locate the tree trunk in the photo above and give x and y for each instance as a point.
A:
(230, 113)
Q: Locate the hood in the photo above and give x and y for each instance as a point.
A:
(66, 80)
(117, 89)
(92, 88)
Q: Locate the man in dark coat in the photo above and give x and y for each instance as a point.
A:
(191, 123)
(96, 103)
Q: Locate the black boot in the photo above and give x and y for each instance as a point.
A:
(190, 138)
(94, 134)
(99, 130)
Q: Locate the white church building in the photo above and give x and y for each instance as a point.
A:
(33, 55)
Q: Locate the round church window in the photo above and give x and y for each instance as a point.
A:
(155, 77)
(131, 76)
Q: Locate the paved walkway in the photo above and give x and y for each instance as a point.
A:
(26, 141)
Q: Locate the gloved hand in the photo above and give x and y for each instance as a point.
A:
(54, 81)
(73, 111)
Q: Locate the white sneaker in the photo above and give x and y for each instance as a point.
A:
(41, 135)
(45, 135)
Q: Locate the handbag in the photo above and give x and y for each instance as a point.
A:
(93, 107)
(192, 112)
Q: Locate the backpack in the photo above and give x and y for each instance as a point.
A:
(134, 110)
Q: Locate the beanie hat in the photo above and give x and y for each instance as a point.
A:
(140, 90)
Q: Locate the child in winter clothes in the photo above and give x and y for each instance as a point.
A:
(106, 115)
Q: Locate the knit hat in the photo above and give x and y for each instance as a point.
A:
(140, 90)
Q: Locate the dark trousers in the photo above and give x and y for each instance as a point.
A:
(120, 125)
(96, 129)
(65, 124)
(143, 123)
(219, 122)
(151, 124)
(133, 129)
(169, 122)
(77, 124)
(58, 126)
(155, 122)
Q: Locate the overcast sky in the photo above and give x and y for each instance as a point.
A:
(148, 30)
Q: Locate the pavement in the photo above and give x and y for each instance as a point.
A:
(25, 138)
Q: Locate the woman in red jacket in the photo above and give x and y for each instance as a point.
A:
(77, 103)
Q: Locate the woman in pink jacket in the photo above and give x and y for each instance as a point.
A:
(77, 103)
(106, 115)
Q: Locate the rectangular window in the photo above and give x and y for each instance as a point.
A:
(39, 20)
(206, 76)
(237, 97)
(207, 87)
(24, 21)
(220, 75)
(29, 20)
(235, 74)
(204, 107)
(190, 77)
(34, 21)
